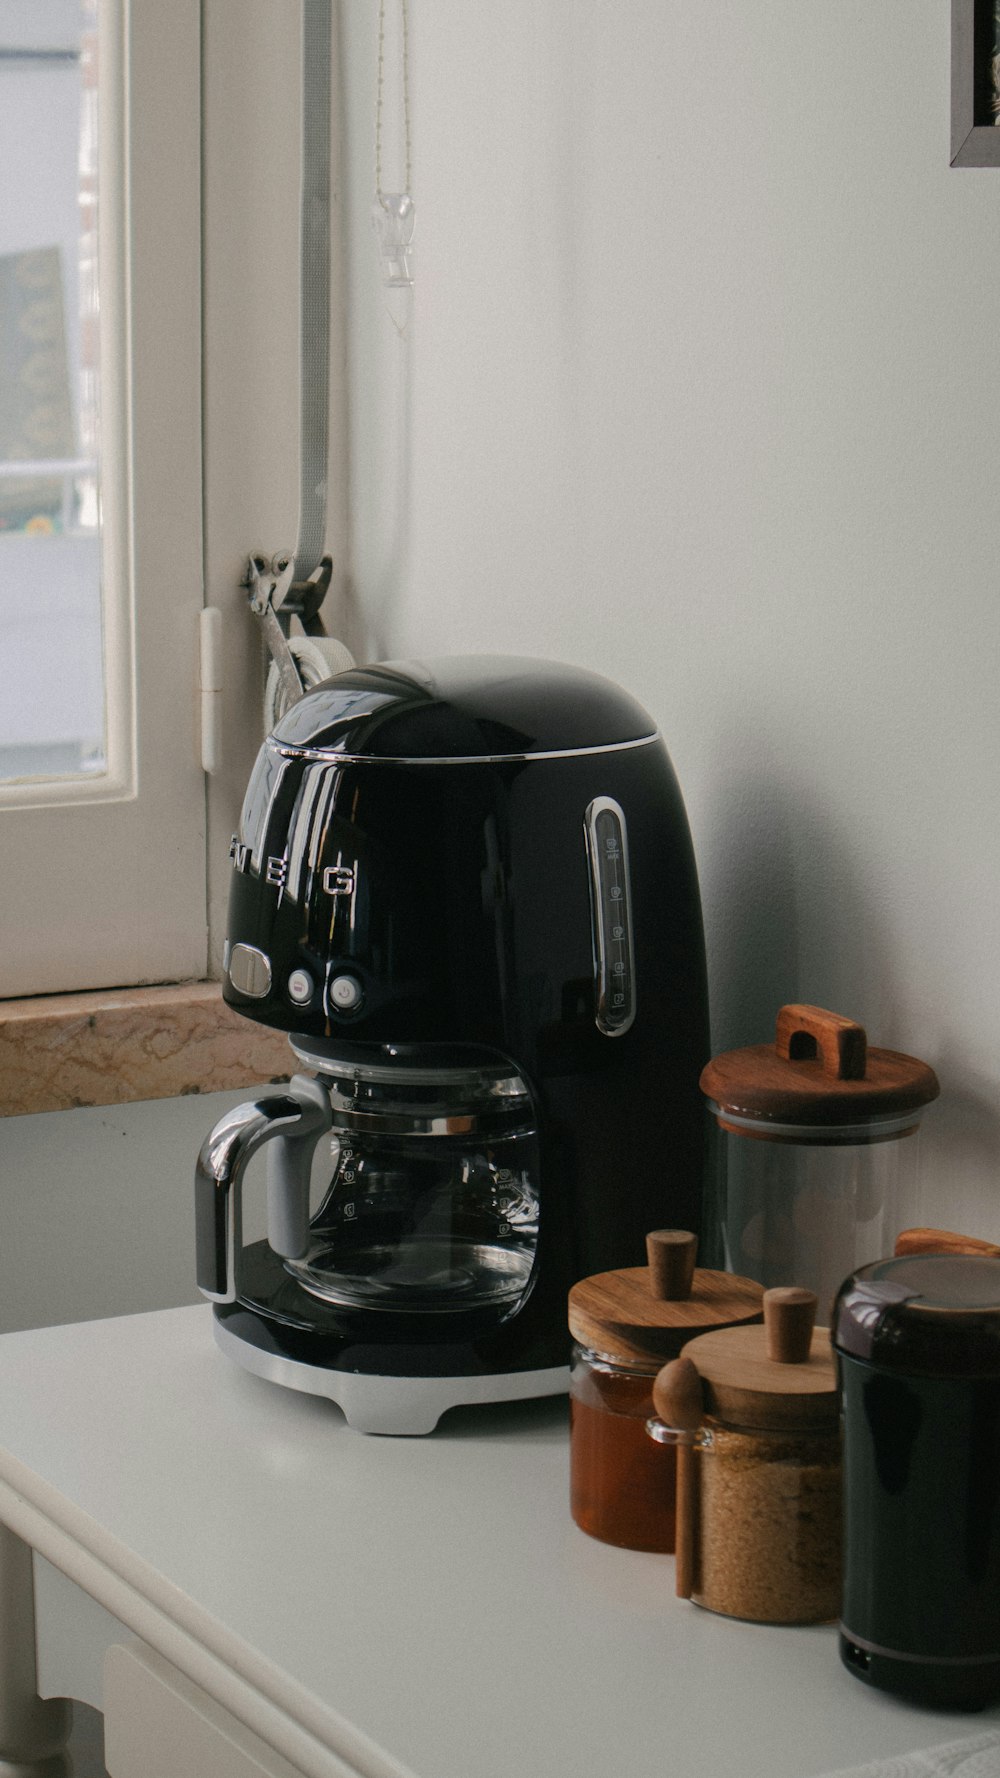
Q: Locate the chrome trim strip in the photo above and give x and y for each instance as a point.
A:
(398, 1406)
(898, 1654)
(330, 755)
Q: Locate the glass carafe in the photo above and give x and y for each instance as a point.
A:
(432, 1204)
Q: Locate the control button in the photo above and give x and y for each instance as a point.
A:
(250, 972)
(300, 987)
(345, 993)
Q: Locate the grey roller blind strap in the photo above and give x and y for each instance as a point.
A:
(283, 587)
(314, 254)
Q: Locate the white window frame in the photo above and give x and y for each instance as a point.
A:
(103, 879)
(123, 881)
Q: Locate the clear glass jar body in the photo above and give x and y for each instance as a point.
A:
(622, 1484)
(810, 1211)
(768, 1531)
(432, 1205)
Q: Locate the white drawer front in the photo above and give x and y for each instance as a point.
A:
(157, 1724)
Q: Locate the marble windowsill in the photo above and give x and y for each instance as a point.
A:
(115, 1046)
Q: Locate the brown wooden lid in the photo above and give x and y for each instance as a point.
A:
(818, 1072)
(620, 1315)
(941, 1241)
(745, 1384)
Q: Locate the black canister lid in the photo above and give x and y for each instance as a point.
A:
(927, 1314)
(463, 707)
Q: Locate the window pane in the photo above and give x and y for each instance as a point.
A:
(52, 716)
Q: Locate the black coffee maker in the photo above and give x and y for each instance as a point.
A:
(466, 888)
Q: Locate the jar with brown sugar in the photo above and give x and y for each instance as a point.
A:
(625, 1324)
(753, 1415)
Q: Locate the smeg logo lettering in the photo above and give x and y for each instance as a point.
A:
(338, 879)
(275, 866)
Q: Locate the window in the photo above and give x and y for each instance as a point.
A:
(114, 869)
(49, 541)
(102, 808)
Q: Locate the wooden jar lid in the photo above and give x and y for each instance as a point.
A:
(621, 1315)
(745, 1384)
(819, 1071)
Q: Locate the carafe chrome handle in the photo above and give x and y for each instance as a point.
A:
(299, 1117)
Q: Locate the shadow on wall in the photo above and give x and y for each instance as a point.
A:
(959, 1148)
(789, 917)
(751, 926)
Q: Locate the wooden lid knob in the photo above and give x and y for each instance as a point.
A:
(671, 1254)
(789, 1318)
(678, 1396)
(806, 1031)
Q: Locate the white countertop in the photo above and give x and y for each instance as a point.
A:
(432, 1595)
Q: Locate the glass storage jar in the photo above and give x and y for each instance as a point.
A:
(759, 1468)
(818, 1169)
(625, 1324)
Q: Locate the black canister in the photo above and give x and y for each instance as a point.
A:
(918, 1352)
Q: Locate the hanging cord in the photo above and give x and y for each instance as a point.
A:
(393, 212)
(379, 93)
(314, 296)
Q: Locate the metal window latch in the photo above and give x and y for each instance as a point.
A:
(275, 599)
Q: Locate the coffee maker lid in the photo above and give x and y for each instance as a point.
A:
(925, 1314)
(463, 707)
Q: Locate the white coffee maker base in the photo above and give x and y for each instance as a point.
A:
(399, 1406)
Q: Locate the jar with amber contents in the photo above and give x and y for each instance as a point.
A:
(625, 1324)
(753, 1415)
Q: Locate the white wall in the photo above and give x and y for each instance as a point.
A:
(98, 1209)
(698, 387)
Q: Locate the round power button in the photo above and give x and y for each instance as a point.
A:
(345, 993)
(300, 987)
